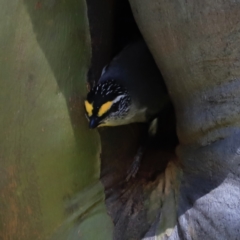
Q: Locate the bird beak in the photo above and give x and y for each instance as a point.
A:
(93, 123)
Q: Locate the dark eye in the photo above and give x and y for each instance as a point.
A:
(114, 107)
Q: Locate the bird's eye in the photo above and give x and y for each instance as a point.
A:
(114, 107)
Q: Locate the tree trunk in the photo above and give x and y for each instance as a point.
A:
(196, 46)
(49, 160)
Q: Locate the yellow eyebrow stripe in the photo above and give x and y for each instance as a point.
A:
(89, 108)
(104, 108)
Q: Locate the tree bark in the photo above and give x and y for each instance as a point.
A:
(196, 46)
(49, 160)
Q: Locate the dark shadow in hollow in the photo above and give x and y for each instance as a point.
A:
(125, 201)
(109, 38)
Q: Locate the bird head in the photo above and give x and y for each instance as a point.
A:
(107, 104)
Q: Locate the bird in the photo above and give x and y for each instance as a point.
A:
(130, 89)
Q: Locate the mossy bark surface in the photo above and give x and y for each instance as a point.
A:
(49, 160)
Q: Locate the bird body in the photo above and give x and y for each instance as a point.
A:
(130, 89)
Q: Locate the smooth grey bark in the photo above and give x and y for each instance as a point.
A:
(196, 46)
